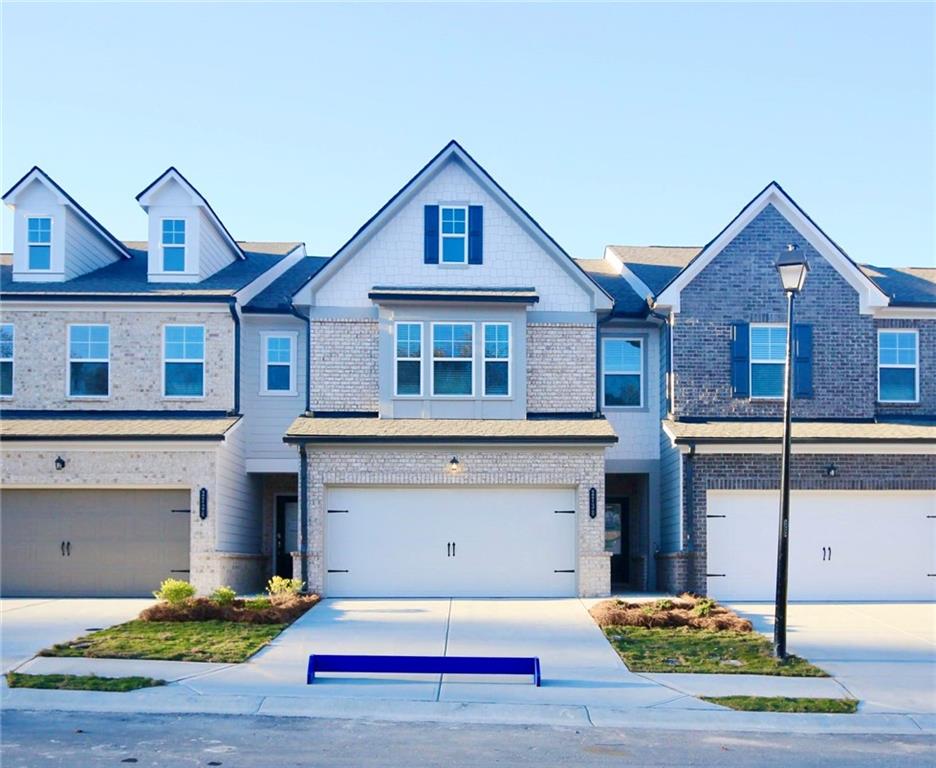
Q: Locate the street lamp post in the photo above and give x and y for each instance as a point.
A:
(792, 268)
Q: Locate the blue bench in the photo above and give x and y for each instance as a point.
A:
(433, 665)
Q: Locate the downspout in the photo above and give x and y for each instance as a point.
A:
(303, 517)
(601, 321)
(232, 305)
(689, 510)
(308, 352)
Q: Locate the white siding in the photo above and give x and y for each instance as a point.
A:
(394, 255)
(85, 249)
(239, 506)
(638, 429)
(266, 417)
(213, 251)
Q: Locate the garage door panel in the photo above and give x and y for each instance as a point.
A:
(869, 545)
(118, 542)
(432, 542)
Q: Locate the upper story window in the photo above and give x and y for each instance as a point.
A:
(768, 360)
(39, 242)
(897, 366)
(496, 359)
(453, 359)
(6, 360)
(622, 372)
(408, 363)
(184, 361)
(173, 245)
(454, 233)
(88, 361)
(279, 370)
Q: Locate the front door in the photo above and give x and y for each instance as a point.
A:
(287, 534)
(617, 539)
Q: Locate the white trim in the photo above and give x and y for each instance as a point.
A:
(432, 358)
(51, 244)
(640, 373)
(248, 292)
(485, 360)
(452, 236)
(751, 361)
(905, 313)
(870, 296)
(69, 360)
(293, 338)
(421, 358)
(12, 361)
(856, 447)
(262, 466)
(162, 247)
(165, 360)
(915, 366)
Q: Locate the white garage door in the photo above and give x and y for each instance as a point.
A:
(440, 542)
(92, 543)
(844, 545)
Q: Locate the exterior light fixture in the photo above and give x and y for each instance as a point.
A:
(59, 463)
(831, 470)
(453, 465)
(792, 268)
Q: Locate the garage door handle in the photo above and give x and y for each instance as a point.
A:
(453, 549)
(448, 549)
(63, 549)
(68, 549)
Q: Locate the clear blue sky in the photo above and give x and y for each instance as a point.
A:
(638, 124)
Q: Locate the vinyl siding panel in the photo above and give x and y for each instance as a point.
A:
(239, 504)
(85, 251)
(214, 253)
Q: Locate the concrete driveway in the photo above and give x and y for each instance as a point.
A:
(578, 664)
(27, 625)
(883, 653)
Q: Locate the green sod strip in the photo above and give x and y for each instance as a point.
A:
(785, 704)
(80, 682)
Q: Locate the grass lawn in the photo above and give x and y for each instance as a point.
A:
(785, 704)
(220, 641)
(81, 682)
(682, 649)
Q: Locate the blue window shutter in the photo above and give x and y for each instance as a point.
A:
(802, 361)
(475, 234)
(431, 235)
(740, 359)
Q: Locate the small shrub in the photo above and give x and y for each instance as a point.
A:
(703, 607)
(663, 605)
(223, 595)
(174, 591)
(280, 587)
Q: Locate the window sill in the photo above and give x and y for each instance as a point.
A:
(454, 264)
(898, 402)
(88, 397)
(184, 398)
(278, 393)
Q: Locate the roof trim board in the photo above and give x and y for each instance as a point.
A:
(173, 173)
(37, 174)
(870, 295)
(486, 295)
(453, 150)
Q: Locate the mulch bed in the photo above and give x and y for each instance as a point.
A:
(683, 611)
(278, 610)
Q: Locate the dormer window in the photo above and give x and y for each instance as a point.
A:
(173, 245)
(39, 242)
(454, 233)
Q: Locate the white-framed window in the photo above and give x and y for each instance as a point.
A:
(184, 361)
(496, 359)
(898, 366)
(278, 363)
(6, 360)
(88, 361)
(453, 231)
(39, 243)
(407, 360)
(622, 372)
(767, 360)
(453, 359)
(173, 245)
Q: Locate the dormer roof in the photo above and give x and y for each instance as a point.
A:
(172, 174)
(36, 174)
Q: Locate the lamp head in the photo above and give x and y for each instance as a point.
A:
(792, 268)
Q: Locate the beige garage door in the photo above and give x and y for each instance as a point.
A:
(92, 543)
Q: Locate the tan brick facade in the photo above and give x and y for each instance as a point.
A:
(136, 353)
(344, 365)
(560, 368)
(581, 468)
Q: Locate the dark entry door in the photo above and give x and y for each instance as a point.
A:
(617, 538)
(287, 534)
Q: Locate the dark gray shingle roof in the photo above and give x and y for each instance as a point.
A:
(627, 303)
(907, 286)
(276, 296)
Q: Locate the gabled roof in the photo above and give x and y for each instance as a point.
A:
(453, 150)
(127, 279)
(654, 265)
(172, 173)
(277, 296)
(37, 174)
(906, 286)
(627, 302)
(870, 295)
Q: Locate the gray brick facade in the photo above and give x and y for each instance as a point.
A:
(344, 375)
(560, 368)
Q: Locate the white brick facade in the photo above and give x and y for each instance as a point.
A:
(560, 368)
(344, 365)
(581, 468)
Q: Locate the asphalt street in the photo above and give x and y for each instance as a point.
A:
(75, 740)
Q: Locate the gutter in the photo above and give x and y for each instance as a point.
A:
(308, 352)
(232, 305)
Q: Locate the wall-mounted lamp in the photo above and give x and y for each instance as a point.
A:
(59, 463)
(453, 465)
(831, 470)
